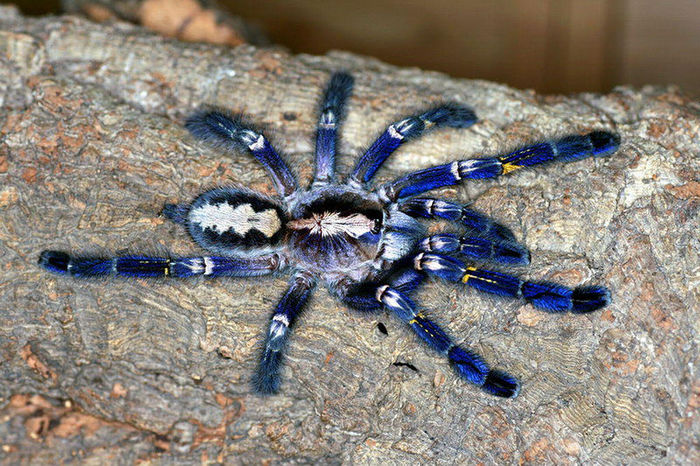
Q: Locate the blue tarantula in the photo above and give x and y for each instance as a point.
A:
(366, 245)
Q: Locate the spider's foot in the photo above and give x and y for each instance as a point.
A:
(450, 114)
(337, 93)
(471, 367)
(589, 298)
(54, 261)
(468, 365)
(267, 378)
(511, 253)
(496, 230)
(550, 297)
(501, 384)
(604, 143)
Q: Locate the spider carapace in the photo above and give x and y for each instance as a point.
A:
(366, 245)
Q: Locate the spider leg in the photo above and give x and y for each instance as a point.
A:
(450, 114)
(467, 364)
(362, 296)
(547, 296)
(224, 130)
(337, 93)
(267, 377)
(477, 249)
(144, 267)
(567, 149)
(435, 208)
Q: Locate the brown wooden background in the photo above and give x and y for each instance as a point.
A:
(548, 45)
(552, 46)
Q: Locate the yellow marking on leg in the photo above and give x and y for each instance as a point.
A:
(509, 167)
(467, 276)
(421, 324)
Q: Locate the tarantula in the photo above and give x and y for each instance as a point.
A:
(366, 245)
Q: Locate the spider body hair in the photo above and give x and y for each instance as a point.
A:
(366, 245)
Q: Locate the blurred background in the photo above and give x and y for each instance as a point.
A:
(552, 46)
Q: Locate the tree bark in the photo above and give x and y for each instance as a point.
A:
(91, 147)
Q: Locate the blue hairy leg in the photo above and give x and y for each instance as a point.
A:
(547, 296)
(477, 249)
(331, 115)
(362, 296)
(568, 149)
(225, 130)
(467, 364)
(145, 267)
(473, 220)
(448, 115)
(267, 375)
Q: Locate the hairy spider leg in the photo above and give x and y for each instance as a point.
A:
(145, 267)
(477, 249)
(267, 376)
(567, 149)
(362, 296)
(467, 364)
(226, 131)
(451, 115)
(547, 296)
(431, 208)
(332, 112)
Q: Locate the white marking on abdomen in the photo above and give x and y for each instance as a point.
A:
(223, 217)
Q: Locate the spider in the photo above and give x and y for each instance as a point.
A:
(366, 245)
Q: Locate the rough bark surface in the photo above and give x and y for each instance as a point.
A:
(92, 145)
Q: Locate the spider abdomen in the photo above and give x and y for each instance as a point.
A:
(233, 220)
